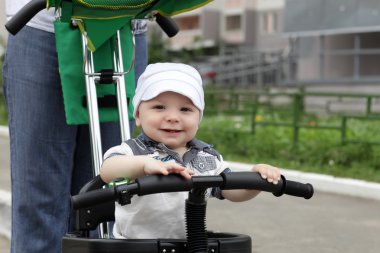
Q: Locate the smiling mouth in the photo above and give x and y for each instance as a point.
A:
(171, 131)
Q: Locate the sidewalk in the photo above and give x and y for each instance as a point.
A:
(5, 196)
(341, 217)
(5, 183)
(5, 186)
(4, 244)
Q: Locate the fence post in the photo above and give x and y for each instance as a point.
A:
(279, 69)
(255, 105)
(343, 130)
(369, 105)
(259, 72)
(235, 102)
(297, 110)
(211, 101)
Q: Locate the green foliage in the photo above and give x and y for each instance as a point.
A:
(1, 70)
(157, 47)
(3, 110)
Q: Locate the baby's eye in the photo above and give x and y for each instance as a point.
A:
(186, 109)
(158, 107)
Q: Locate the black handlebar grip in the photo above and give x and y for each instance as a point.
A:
(167, 24)
(299, 189)
(250, 180)
(92, 198)
(158, 183)
(23, 16)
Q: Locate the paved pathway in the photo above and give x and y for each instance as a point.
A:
(4, 244)
(328, 223)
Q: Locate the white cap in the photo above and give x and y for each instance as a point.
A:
(175, 77)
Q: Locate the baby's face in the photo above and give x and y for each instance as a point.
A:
(169, 118)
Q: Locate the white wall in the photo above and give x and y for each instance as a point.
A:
(3, 31)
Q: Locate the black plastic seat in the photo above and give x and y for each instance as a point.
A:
(217, 243)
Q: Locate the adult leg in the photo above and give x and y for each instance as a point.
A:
(42, 145)
(43, 148)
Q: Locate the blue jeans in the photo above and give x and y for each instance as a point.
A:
(49, 159)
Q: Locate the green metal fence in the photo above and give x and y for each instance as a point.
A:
(249, 103)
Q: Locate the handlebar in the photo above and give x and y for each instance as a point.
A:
(174, 183)
(167, 24)
(26, 13)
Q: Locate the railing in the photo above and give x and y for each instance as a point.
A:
(249, 103)
(244, 67)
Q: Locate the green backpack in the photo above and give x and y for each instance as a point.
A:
(99, 21)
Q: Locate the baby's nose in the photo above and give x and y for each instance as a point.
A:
(172, 116)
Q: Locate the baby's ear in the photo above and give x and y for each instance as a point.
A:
(137, 118)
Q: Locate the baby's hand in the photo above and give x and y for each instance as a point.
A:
(153, 166)
(268, 172)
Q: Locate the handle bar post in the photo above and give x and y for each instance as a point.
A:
(195, 218)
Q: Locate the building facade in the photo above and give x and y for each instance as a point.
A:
(249, 23)
(333, 41)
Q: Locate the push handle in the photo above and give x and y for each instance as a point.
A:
(92, 197)
(23, 16)
(167, 24)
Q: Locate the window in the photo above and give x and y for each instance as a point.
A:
(188, 23)
(269, 22)
(233, 22)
